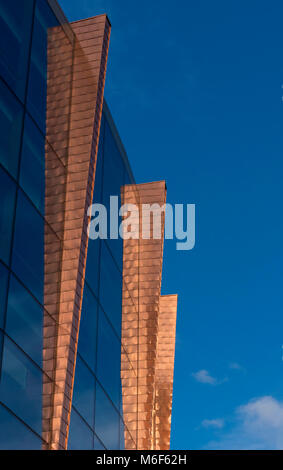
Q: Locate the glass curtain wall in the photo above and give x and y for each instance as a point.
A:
(24, 29)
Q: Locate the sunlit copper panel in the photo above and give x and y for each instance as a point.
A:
(164, 372)
(142, 271)
(76, 77)
(130, 325)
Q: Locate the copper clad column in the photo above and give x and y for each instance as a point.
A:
(150, 274)
(142, 272)
(165, 371)
(74, 108)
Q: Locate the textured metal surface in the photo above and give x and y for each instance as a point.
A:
(130, 323)
(142, 272)
(75, 89)
(164, 372)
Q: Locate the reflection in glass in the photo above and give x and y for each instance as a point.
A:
(93, 254)
(88, 328)
(7, 210)
(37, 90)
(93, 264)
(108, 359)
(111, 282)
(11, 121)
(25, 320)
(3, 292)
(32, 175)
(107, 420)
(84, 392)
(15, 34)
(80, 435)
(15, 435)
(113, 175)
(97, 194)
(113, 180)
(97, 444)
(28, 249)
(21, 386)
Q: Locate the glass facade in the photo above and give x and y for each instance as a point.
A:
(96, 418)
(23, 83)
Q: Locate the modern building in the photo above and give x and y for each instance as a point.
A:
(86, 340)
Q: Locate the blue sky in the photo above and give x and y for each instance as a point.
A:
(196, 91)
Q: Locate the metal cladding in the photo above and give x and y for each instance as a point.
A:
(75, 87)
(145, 337)
(164, 373)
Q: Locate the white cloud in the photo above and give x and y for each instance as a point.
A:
(204, 377)
(256, 425)
(236, 366)
(213, 423)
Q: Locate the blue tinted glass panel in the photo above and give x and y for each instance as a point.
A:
(107, 421)
(15, 435)
(44, 19)
(93, 254)
(11, 121)
(111, 281)
(108, 359)
(3, 292)
(21, 386)
(97, 195)
(93, 264)
(32, 175)
(25, 320)
(7, 211)
(15, 34)
(88, 328)
(116, 244)
(113, 180)
(97, 444)
(113, 171)
(28, 247)
(84, 392)
(80, 435)
(128, 178)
